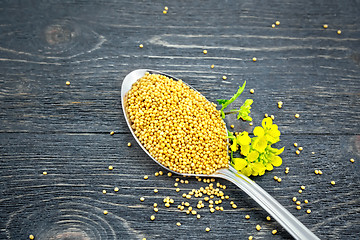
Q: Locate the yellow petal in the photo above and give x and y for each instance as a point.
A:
(267, 122)
(280, 151)
(239, 163)
(246, 171)
(253, 156)
(260, 144)
(276, 161)
(233, 146)
(258, 131)
(243, 138)
(245, 150)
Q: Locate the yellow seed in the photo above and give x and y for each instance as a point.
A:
(193, 212)
(144, 239)
(294, 199)
(325, 26)
(302, 187)
(306, 201)
(308, 211)
(287, 168)
(176, 184)
(164, 12)
(232, 126)
(105, 212)
(332, 182)
(205, 51)
(166, 8)
(298, 202)
(339, 32)
(142, 199)
(300, 191)
(186, 181)
(316, 171)
(266, 115)
(297, 152)
(177, 179)
(295, 144)
(112, 133)
(45, 173)
(272, 117)
(234, 206)
(177, 190)
(273, 25)
(300, 148)
(320, 172)
(187, 204)
(169, 174)
(258, 227)
(111, 167)
(212, 66)
(312, 152)
(198, 216)
(188, 212)
(297, 115)
(141, 46)
(247, 216)
(156, 209)
(116, 189)
(212, 210)
(352, 160)
(146, 177)
(207, 229)
(251, 237)
(152, 217)
(279, 180)
(224, 77)
(171, 201)
(251, 123)
(252, 91)
(268, 218)
(31, 237)
(156, 174)
(167, 204)
(104, 191)
(161, 173)
(274, 231)
(298, 207)
(178, 224)
(276, 178)
(254, 59)
(67, 83)
(155, 205)
(156, 191)
(227, 197)
(277, 23)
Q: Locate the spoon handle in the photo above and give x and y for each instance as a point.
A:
(266, 201)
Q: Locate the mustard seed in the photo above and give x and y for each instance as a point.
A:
(141, 46)
(142, 199)
(300, 191)
(252, 91)
(338, 32)
(308, 211)
(32, 237)
(332, 182)
(166, 8)
(224, 77)
(273, 25)
(116, 189)
(297, 152)
(251, 237)
(45, 173)
(156, 191)
(306, 201)
(178, 224)
(325, 26)
(105, 212)
(254, 59)
(302, 187)
(274, 231)
(146, 177)
(352, 160)
(152, 217)
(161, 173)
(205, 51)
(164, 12)
(294, 199)
(156, 209)
(247, 216)
(104, 191)
(298, 207)
(300, 148)
(295, 144)
(258, 227)
(207, 229)
(268, 218)
(198, 216)
(297, 115)
(67, 83)
(277, 23)
(212, 66)
(155, 205)
(111, 167)
(112, 133)
(169, 174)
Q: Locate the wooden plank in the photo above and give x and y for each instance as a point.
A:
(77, 167)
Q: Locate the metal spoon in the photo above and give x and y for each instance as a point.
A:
(273, 207)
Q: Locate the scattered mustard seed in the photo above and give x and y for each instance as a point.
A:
(105, 212)
(152, 217)
(212, 66)
(207, 229)
(155, 205)
(164, 12)
(273, 25)
(266, 115)
(274, 231)
(198, 216)
(302, 187)
(308, 211)
(276, 178)
(252, 91)
(258, 227)
(298, 202)
(156, 209)
(116, 189)
(247, 216)
(176, 184)
(332, 182)
(104, 191)
(142, 199)
(224, 77)
(169, 174)
(352, 160)
(295, 144)
(301, 148)
(67, 83)
(294, 199)
(316, 171)
(177, 190)
(279, 180)
(338, 32)
(178, 224)
(251, 123)
(177, 179)
(161, 173)
(232, 126)
(298, 207)
(306, 201)
(254, 59)
(268, 218)
(297, 115)
(156, 191)
(166, 8)
(325, 26)
(31, 237)
(205, 51)
(45, 173)
(146, 177)
(300, 191)
(251, 237)
(234, 206)
(111, 167)
(112, 133)
(272, 117)
(277, 23)
(297, 152)
(320, 172)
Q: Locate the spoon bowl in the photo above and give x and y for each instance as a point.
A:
(265, 200)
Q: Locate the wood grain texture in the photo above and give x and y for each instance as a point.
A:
(64, 130)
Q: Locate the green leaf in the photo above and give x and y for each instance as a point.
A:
(221, 101)
(244, 110)
(236, 95)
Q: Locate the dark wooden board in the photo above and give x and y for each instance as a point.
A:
(46, 125)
